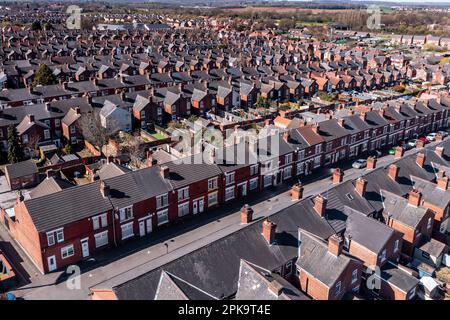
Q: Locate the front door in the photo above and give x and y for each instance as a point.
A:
(195, 207)
(198, 206)
(51, 263)
(149, 225)
(201, 205)
(142, 228)
(85, 248)
(243, 189)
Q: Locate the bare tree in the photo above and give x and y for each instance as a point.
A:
(90, 125)
(134, 148)
(33, 142)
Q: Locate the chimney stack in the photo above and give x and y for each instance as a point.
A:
(371, 163)
(439, 137)
(341, 122)
(439, 151)
(338, 176)
(50, 173)
(269, 229)
(441, 173)
(360, 186)
(31, 118)
(316, 128)
(414, 197)
(320, 204)
(286, 136)
(165, 172)
(399, 152)
(393, 172)
(19, 196)
(420, 159)
(420, 144)
(442, 183)
(246, 214)
(297, 191)
(104, 189)
(275, 287)
(335, 245)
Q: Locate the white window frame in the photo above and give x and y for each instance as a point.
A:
(126, 226)
(287, 172)
(183, 194)
(101, 235)
(59, 235)
(67, 251)
(354, 276)
(288, 158)
(51, 235)
(338, 287)
(254, 169)
(162, 201)
(229, 178)
(212, 183)
(160, 213)
(227, 193)
(383, 255)
(396, 245)
(253, 182)
(429, 223)
(183, 209)
(213, 195)
(126, 213)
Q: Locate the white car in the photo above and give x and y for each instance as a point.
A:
(431, 136)
(359, 164)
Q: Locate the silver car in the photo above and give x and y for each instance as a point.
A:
(359, 164)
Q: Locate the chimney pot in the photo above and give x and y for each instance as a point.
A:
(371, 163)
(420, 159)
(269, 229)
(297, 191)
(442, 183)
(165, 172)
(399, 152)
(246, 214)
(414, 197)
(335, 244)
(338, 176)
(360, 186)
(320, 204)
(104, 189)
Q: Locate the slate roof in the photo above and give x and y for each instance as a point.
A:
(399, 209)
(49, 186)
(21, 169)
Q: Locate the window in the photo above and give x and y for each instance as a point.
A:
(162, 201)
(57, 123)
(338, 288)
(212, 199)
(267, 180)
(229, 193)
(396, 245)
(318, 148)
(162, 216)
(127, 230)
(301, 155)
(101, 239)
(429, 223)
(288, 268)
(126, 213)
(50, 238)
(287, 172)
(142, 114)
(253, 184)
(426, 255)
(59, 235)
(383, 255)
(25, 138)
(46, 134)
(229, 178)
(212, 183)
(354, 276)
(183, 209)
(174, 109)
(317, 161)
(183, 194)
(412, 293)
(300, 167)
(67, 251)
(99, 220)
(254, 169)
(47, 122)
(288, 158)
(72, 129)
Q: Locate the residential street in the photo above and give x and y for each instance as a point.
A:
(166, 245)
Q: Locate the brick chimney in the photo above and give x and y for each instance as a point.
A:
(286, 136)
(441, 173)
(360, 186)
(269, 229)
(246, 214)
(439, 137)
(420, 159)
(31, 118)
(341, 122)
(382, 112)
(297, 191)
(316, 128)
(164, 172)
(399, 152)
(104, 189)
(275, 287)
(338, 176)
(442, 183)
(414, 197)
(335, 245)
(320, 204)
(51, 173)
(439, 151)
(19, 196)
(420, 144)
(393, 172)
(371, 163)
(362, 115)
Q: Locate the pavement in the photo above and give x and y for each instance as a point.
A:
(139, 256)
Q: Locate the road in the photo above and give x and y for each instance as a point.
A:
(125, 262)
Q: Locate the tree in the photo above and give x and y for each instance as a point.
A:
(262, 102)
(48, 26)
(67, 149)
(15, 152)
(43, 76)
(36, 25)
(94, 132)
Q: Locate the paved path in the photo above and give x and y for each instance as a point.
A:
(125, 262)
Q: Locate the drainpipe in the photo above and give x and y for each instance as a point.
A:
(113, 213)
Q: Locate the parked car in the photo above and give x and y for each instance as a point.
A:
(443, 133)
(359, 164)
(407, 146)
(375, 153)
(431, 136)
(392, 150)
(423, 139)
(412, 143)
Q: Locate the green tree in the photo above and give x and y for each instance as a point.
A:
(15, 152)
(43, 76)
(67, 149)
(262, 102)
(36, 25)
